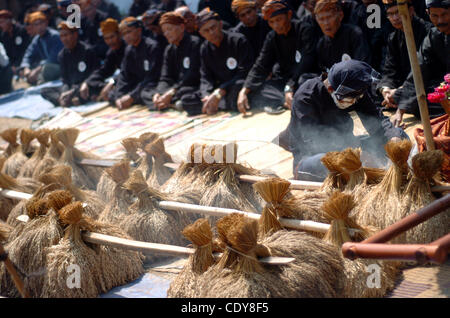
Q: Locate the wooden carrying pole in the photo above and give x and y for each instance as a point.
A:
(417, 74)
(12, 271)
(435, 252)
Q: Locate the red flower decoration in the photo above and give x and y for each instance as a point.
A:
(447, 78)
(436, 97)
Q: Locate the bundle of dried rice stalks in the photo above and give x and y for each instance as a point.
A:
(131, 146)
(101, 267)
(51, 157)
(20, 208)
(381, 205)
(119, 198)
(62, 175)
(5, 230)
(10, 136)
(425, 167)
(27, 248)
(80, 178)
(146, 162)
(160, 173)
(15, 162)
(147, 222)
(337, 210)
(280, 203)
(200, 234)
(337, 178)
(239, 274)
(29, 167)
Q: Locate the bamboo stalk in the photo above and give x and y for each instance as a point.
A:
(213, 211)
(12, 271)
(417, 74)
(146, 247)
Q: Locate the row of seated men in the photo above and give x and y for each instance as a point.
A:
(190, 62)
(274, 55)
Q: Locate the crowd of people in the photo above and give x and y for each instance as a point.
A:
(320, 59)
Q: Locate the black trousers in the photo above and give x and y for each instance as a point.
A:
(6, 75)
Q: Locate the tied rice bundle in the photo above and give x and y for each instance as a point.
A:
(51, 157)
(160, 173)
(146, 162)
(27, 248)
(121, 198)
(337, 210)
(62, 175)
(337, 178)
(10, 136)
(21, 209)
(15, 162)
(280, 203)
(380, 207)
(425, 168)
(80, 178)
(101, 267)
(30, 166)
(149, 223)
(131, 146)
(239, 273)
(200, 234)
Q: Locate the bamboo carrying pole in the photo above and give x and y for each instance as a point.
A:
(417, 74)
(118, 242)
(12, 271)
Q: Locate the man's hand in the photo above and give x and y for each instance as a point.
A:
(164, 100)
(242, 102)
(65, 99)
(288, 97)
(397, 120)
(105, 92)
(388, 97)
(84, 91)
(124, 102)
(210, 104)
(24, 72)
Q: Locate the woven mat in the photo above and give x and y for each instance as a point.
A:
(424, 282)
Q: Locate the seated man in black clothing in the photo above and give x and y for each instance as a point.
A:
(289, 46)
(77, 61)
(397, 66)
(320, 119)
(152, 28)
(252, 26)
(434, 62)
(14, 37)
(338, 41)
(141, 66)
(226, 58)
(180, 74)
(95, 87)
(90, 26)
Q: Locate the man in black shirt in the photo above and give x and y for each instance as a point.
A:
(434, 62)
(77, 61)
(14, 37)
(226, 58)
(180, 76)
(320, 119)
(252, 26)
(339, 41)
(95, 87)
(397, 66)
(90, 26)
(141, 66)
(289, 46)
